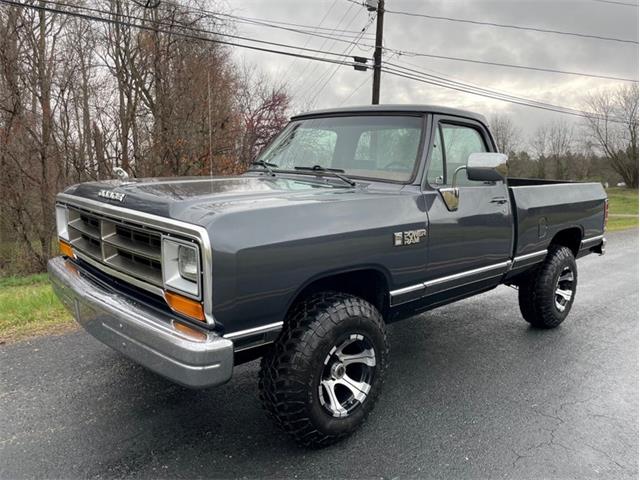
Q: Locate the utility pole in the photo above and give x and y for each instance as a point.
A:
(377, 55)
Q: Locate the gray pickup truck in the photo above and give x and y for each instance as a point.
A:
(351, 219)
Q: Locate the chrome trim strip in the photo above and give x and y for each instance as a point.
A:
(449, 278)
(405, 290)
(468, 273)
(122, 276)
(521, 258)
(253, 331)
(528, 256)
(591, 240)
(168, 225)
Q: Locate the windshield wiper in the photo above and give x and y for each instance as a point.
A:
(335, 172)
(266, 165)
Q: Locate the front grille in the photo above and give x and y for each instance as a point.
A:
(131, 249)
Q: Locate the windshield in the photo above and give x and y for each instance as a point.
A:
(382, 147)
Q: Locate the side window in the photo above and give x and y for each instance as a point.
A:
(451, 149)
(459, 143)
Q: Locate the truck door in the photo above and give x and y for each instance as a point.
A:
(469, 246)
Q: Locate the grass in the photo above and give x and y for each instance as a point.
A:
(29, 307)
(623, 209)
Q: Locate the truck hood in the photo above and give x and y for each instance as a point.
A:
(199, 200)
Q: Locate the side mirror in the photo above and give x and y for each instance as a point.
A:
(487, 167)
(481, 167)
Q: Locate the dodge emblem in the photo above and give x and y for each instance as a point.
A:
(111, 195)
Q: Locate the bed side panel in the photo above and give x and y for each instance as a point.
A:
(544, 210)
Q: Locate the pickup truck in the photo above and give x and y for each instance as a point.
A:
(349, 220)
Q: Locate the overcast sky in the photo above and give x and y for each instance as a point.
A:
(305, 78)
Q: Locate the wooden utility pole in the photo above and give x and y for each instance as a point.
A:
(377, 55)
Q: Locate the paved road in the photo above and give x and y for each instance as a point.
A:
(473, 392)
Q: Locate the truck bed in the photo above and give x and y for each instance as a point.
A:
(542, 208)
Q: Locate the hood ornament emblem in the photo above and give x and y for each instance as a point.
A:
(121, 173)
(111, 195)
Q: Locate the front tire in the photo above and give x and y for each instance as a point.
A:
(325, 372)
(547, 294)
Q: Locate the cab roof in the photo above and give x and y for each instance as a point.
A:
(394, 109)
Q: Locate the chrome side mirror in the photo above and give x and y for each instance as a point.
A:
(487, 167)
(481, 167)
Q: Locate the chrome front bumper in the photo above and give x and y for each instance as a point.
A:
(143, 334)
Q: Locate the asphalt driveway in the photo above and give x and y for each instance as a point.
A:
(472, 392)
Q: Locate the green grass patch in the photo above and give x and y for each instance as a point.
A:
(623, 201)
(16, 281)
(28, 306)
(623, 209)
(621, 223)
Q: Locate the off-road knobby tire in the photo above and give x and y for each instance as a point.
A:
(536, 293)
(290, 372)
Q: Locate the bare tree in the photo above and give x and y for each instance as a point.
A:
(553, 144)
(613, 129)
(77, 98)
(263, 112)
(507, 135)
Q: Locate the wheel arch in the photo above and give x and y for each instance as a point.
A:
(370, 282)
(569, 237)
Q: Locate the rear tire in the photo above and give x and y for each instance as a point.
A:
(325, 372)
(547, 294)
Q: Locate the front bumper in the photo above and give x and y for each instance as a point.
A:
(143, 334)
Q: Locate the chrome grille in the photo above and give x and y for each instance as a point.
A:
(130, 249)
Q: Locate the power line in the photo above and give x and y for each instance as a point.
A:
(315, 67)
(355, 90)
(293, 61)
(523, 102)
(509, 65)
(276, 22)
(265, 21)
(419, 54)
(347, 51)
(617, 3)
(470, 86)
(516, 27)
(311, 33)
(186, 35)
(421, 77)
(411, 53)
(348, 36)
(430, 82)
(167, 24)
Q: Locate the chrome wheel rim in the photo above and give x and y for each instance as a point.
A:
(347, 374)
(564, 289)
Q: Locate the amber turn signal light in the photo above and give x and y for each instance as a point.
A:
(66, 249)
(184, 305)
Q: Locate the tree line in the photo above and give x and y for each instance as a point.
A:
(79, 98)
(601, 147)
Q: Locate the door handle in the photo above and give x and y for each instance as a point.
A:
(499, 200)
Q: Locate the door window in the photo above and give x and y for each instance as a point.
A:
(451, 149)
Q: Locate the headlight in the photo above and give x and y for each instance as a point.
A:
(62, 222)
(188, 263)
(181, 266)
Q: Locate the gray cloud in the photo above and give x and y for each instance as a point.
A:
(460, 40)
